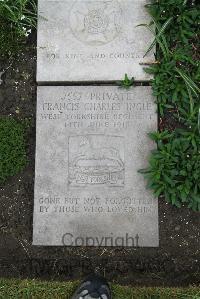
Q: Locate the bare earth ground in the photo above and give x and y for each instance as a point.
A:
(174, 263)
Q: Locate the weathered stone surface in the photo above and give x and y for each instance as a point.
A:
(91, 141)
(92, 40)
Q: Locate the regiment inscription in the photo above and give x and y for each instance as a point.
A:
(91, 142)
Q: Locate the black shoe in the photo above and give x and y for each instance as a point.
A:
(93, 287)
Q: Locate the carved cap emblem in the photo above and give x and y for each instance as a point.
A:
(96, 21)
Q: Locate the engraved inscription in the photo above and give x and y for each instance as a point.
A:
(91, 141)
(92, 40)
(96, 22)
(96, 159)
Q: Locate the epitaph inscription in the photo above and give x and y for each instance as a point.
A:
(91, 141)
(92, 40)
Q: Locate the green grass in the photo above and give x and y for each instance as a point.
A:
(34, 289)
(17, 18)
(12, 147)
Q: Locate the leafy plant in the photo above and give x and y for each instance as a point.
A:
(12, 147)
(17, 18)
(159, 37)
(126, 82)
(174, 168)
(171, 70)
(186, 18)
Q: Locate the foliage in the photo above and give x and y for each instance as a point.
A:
(177, 75)
(126, 82)
(17, 18)
(185, 15)
(35, 289)
(171, 89)
(174, 168)
(12, 147)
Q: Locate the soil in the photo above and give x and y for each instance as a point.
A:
(174, 263)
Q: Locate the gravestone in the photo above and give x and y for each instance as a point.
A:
(91, 142)
(89, 40)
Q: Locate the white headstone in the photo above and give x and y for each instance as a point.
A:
(89, 40)
(91, 142)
